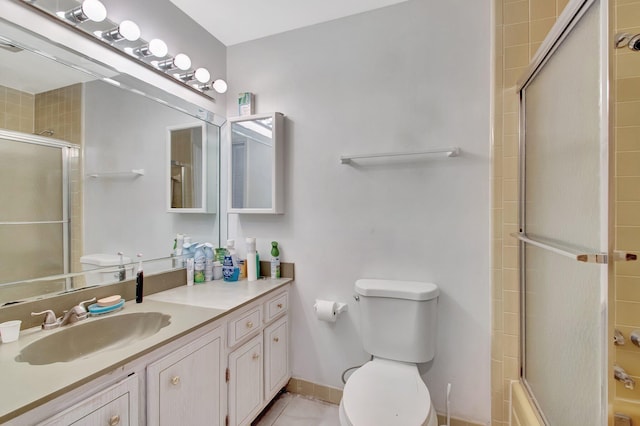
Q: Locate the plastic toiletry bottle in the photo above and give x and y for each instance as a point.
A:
(189, 263)
(217, 270)
(252, 272)
(179, 243)
(208, 261)
(275, 260)
(198, 264)
(139, 281)
(231, 251)
(229, 272)
(252, 257)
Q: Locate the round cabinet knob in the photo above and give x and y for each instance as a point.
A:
(175, 380)
(249, 324)
(114, 420)
(255, 356)
(279, 305)
(276, 339)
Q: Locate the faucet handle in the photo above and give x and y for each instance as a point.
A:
(50, 320)
(81, 304)
(84, 308)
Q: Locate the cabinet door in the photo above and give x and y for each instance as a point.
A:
(276, 357)
(115, 406)
(187, 386)
(245, 382)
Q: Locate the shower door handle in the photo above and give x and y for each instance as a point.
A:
(600, 258)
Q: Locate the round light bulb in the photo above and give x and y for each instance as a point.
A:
(220, 86)
(158, 48)
(129, 30)
(182, 61)
(202, 75)
(94, 10)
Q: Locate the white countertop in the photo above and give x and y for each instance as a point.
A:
(220, 294)
(26, 386)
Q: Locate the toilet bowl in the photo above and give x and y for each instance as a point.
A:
(386, 393)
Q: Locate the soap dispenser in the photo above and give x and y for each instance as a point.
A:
(139, 281)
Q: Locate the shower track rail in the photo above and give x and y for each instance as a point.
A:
(600, 258)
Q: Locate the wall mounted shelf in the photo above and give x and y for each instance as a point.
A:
(126, 173)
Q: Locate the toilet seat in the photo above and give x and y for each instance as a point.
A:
(386, 393)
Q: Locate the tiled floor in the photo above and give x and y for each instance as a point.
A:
(297, 410)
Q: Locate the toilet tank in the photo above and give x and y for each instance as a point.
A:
(105, 268)
(398, 319)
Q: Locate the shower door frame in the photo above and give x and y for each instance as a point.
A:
(66, 150)
(569, 18)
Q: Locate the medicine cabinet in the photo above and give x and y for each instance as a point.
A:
(256, 164)
(191, 165)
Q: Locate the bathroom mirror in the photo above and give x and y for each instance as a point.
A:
(189, 177)
(111, 189)
(255, 164)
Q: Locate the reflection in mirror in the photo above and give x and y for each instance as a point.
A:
(59, 121)
(187, 150)
(255, 164)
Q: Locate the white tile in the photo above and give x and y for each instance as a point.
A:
(270, 417)
(300, 411)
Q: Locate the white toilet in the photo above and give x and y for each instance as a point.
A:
(398, 327)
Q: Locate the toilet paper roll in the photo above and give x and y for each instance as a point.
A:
(326, 310)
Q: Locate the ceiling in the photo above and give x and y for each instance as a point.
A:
(237, 21)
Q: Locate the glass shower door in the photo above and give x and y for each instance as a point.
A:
(563, 225)
(34, 219)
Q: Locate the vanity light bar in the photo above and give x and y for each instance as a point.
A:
(127, 30)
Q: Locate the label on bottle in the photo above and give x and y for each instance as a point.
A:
(229, 272)
(275, 268)
(198, 272)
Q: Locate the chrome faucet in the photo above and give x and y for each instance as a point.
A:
(75, 314)
(620, 375)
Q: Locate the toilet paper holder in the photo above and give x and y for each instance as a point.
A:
(321, 306)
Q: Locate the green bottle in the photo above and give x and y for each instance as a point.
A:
(275, 260)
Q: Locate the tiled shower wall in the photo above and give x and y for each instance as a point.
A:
(521, 26)
(626, 89)
(16, 110)
(60, 111)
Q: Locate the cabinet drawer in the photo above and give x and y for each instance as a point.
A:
(276, 306)
(247, 324)
(115, 406)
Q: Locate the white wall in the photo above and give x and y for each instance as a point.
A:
(407, 77)
(125, 131)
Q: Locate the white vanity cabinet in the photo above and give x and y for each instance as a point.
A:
(221, 373)
(276, 357)
(259, 367)
(114, 406)
(188, 385)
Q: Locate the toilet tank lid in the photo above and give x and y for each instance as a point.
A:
(103, 259)
(411, 290)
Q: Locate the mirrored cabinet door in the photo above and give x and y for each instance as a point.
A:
(191, 169)
(255, 164)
